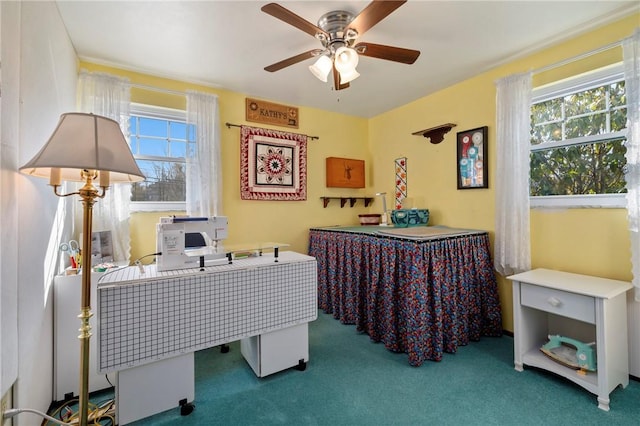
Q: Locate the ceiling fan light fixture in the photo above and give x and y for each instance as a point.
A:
(348, 76)
(321, 68)
(346, 60)
(338, 32)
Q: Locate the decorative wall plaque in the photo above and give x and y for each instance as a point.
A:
(270, 113)
(345, 173)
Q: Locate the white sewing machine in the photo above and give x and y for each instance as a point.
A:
(190, 242)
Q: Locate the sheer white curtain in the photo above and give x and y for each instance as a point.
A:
(204, 165)
(109, 96)
(631, 55)
(513, 246)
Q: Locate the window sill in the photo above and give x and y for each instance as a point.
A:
(605, 201)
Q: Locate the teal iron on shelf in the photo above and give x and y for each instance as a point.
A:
(570, 352)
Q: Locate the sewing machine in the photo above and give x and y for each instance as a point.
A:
(190, 242)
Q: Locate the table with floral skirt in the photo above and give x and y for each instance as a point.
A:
(422, 292)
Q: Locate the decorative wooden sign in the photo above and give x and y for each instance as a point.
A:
(270, 113)
(345, 173)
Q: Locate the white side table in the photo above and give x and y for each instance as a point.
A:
(601, 303)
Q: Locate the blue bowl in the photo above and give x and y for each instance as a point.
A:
(404, 218)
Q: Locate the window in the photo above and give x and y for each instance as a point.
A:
(577, 141)
(159, 140)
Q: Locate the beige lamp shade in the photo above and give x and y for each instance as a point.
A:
(85, 142)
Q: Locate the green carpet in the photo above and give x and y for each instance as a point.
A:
(350, 380)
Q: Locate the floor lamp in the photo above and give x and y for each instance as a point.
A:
(85, 148)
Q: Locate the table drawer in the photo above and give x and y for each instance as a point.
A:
(570, 305)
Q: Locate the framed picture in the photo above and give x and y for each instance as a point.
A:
(472, 159)
(273, 165)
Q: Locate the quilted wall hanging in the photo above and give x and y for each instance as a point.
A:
(273, 165)
(401, 181)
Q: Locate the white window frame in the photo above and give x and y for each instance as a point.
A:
(556, 89)
(163, 114)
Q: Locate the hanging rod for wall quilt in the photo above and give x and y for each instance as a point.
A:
(230, 125)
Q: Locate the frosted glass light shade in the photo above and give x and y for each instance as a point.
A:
(346, 59)
(321, 68)
(346, 77)
(85, 142)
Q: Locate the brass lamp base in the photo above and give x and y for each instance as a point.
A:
(89, 194)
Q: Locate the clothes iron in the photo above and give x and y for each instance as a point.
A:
(570, 352)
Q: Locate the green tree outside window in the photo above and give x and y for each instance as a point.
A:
(575, 150)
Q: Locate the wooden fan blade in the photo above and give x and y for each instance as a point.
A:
(291, 18)
(375, 12)
(292, 60)
(390, 53)
(336, 80)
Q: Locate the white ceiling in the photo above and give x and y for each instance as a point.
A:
(227, 44)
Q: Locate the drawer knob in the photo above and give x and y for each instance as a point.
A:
(554, 302)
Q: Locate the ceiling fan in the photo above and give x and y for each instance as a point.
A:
(338, 31)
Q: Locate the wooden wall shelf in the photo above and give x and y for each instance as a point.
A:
(343, 200)
(435, 134)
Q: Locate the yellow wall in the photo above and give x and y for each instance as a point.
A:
(590, 241)
(261, 221)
